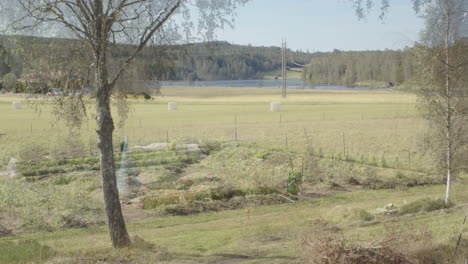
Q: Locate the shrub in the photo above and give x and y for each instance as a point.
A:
(32, 152)
(208, 147)
(337, 250)
(4, 231)
(424, 205)
(72, 220)
(154, 202)
(400, 175)
(363, 215)
(9, 81)
(294, 182)
(62, 181)
(383, 161)
(225, 191)
(20, 87)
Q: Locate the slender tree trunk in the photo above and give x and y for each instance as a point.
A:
(448, 98)
(449, 175)
(105, 128)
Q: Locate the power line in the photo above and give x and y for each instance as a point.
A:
(283, 66)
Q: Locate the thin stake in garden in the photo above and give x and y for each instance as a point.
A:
(460, 236)
(409, 158)
(344, 145)
(235, 128)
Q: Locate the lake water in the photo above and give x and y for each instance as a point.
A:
(291, 84)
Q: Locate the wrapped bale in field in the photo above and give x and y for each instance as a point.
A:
(172, 106)
(275, 107)
(16, 105)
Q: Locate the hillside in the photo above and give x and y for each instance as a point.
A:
(354, 67)
(209, 61)
(198, 61)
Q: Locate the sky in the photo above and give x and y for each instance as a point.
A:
(323, 25)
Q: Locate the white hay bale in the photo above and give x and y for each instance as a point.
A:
(275, 107)
(16, 105)
(172, 106)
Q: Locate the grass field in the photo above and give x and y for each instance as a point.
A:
(379, 131)
(373, 122)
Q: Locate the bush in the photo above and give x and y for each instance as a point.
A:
(9, 81)
(20, 87)
(424, 205)
(363, 215)
(4, 231)
(336, 250)
(208, 147)
(294, 182)
(62, 181)
(383, 161)
(155, 202)
(32, 152)
(225, 191)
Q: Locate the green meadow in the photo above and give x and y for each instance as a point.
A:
(366, 181)
(374, 123)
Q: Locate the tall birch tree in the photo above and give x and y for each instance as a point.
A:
(101, 24)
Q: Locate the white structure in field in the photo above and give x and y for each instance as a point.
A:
(11, 169)
(172, 106)
(275, 107)
(17, 105)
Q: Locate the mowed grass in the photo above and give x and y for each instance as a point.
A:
(270, 234)
(374, 123)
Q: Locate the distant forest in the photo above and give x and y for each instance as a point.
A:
(32, 56)
(200, 61)
(223, 61)
(352, 67)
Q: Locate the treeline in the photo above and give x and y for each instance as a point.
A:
(48, 58)
(352, 67)
(202, 61)
(223, 61)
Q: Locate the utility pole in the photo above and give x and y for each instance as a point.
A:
(283, 67)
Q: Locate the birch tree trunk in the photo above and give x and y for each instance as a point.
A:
(105, 128)
(448, 98)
